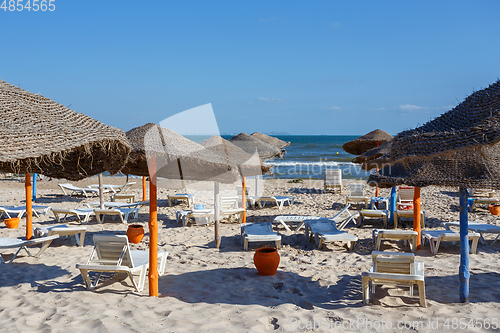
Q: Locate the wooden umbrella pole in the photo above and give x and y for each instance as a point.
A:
(244, 200)
(464, 274)
(144, 196)
(153, 234)
(416, 215)
(377, 191)
(29, 210)
(101, 192)
(217, 215)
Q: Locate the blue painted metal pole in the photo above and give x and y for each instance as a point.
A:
(35, 176)
(392, 204)
(464, 273)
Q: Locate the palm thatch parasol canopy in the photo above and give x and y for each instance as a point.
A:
(250, 144)
(41, 136)
(271, 140)
(137, 163)
(376, 157)
(459, 148)
(249, 165)
(180, 158)
(366, 142)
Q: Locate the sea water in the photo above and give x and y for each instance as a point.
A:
(308, 156)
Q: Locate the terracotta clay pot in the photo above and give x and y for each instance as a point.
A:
(266, 260)
(135, 233)
(494, 209)
(12, 223)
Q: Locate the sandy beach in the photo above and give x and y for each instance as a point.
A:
(218, 290)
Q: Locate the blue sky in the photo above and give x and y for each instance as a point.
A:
(302, 67)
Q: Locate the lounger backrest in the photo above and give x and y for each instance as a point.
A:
(113, 250)
(356, 190)
(261, 228)
(394, 263)
(322, 225)
(228, 203)
(332, 177)
(405, 193)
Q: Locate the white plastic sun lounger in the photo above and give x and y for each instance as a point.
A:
(408, 236)
(123, 213)
(19, 211)
(12, 212)
(381, 214)
(189, 197)
(481, 228)
(278, 200)
(325, 231)
(112, 254)
(63, 230)
(229, 208)
(114, 188)
(135, 206)
(259, 232)
(435, 237)
(16, 243)
(473, 202)
(82, 214)
(297, 221)
(408, 214)
(85, 191)
(397, 269)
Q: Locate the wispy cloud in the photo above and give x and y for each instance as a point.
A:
(410, 107)
(335, 25)
(268, 19)
(271, 100)
(335, 108)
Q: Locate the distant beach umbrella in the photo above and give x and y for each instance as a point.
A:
(249, 165)
(459, 148)
(251, 144)
(273, 141)
(374, 158)
(41, 136)
(366, 142)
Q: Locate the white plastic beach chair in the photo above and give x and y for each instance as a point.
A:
(16, 243)
(480, 228)
(229, 207)
(405, 197)
(357, 194)
(278, 200)
(112, 254)
(332, 179)
(435, 237)
(408, 236)
(85, 191)
(62, 230)
(398, 269)
(259, 232)
(123, 213)
(81, 214)
(325, 231)
(250, 199)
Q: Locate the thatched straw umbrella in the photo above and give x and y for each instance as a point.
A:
(459, 148)
(271, 140)
(250, 144)
(366, 142)
(164, 153)
(41, 136)
(248, 165)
